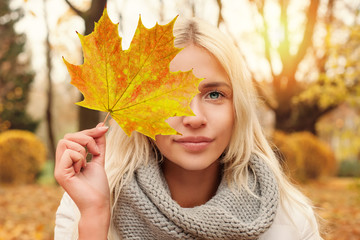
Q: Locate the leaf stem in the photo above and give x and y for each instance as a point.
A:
(106, 118)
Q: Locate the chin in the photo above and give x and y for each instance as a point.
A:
(196, 165)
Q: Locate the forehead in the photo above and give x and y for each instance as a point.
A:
(201, 61)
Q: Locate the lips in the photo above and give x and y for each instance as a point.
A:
(194, 143)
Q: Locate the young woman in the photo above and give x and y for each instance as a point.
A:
(218, 180)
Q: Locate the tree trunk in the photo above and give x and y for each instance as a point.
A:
(305, 116)
(284, 84)
(49, 118)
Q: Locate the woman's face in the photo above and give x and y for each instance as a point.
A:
(206, 135)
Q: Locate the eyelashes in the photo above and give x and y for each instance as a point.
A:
(214, 95)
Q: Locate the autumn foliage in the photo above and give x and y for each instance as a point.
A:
(304, 156)
(22, 156)
(135, 86)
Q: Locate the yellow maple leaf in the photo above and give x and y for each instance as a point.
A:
(135, 85)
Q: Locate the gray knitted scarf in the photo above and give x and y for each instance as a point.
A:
(145, 209)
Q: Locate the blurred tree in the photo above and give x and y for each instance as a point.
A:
(341, 129)
(89, 118)
(49, 106)
(15, 77)
(339, 68)
(298, 105)
(338, 82)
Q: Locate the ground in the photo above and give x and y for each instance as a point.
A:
(338, 204)
(28, 211)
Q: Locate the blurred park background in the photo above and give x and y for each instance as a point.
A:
(303, 56)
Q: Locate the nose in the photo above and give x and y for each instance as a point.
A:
(199, 120)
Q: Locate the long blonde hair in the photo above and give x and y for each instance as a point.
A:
(125, 154)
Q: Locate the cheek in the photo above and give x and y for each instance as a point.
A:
(231, 119)
(224, 119)
(174, 122)
(161, 142)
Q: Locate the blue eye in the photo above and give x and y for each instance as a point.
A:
(214, 95)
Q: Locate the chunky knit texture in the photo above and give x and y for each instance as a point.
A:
(145, 209)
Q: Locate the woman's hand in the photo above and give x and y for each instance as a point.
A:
(86, 183)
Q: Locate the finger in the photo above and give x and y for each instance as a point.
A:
(101, 143)
(86, 137)
(84, 140)
(65, 167)
(79, 164)
(64, 144)
(98, 131)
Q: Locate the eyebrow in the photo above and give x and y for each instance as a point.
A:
(215, 84)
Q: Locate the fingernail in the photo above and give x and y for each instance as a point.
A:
(103, 128)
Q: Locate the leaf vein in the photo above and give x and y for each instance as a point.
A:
(139, 70)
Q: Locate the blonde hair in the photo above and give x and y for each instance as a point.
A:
(125, 154)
